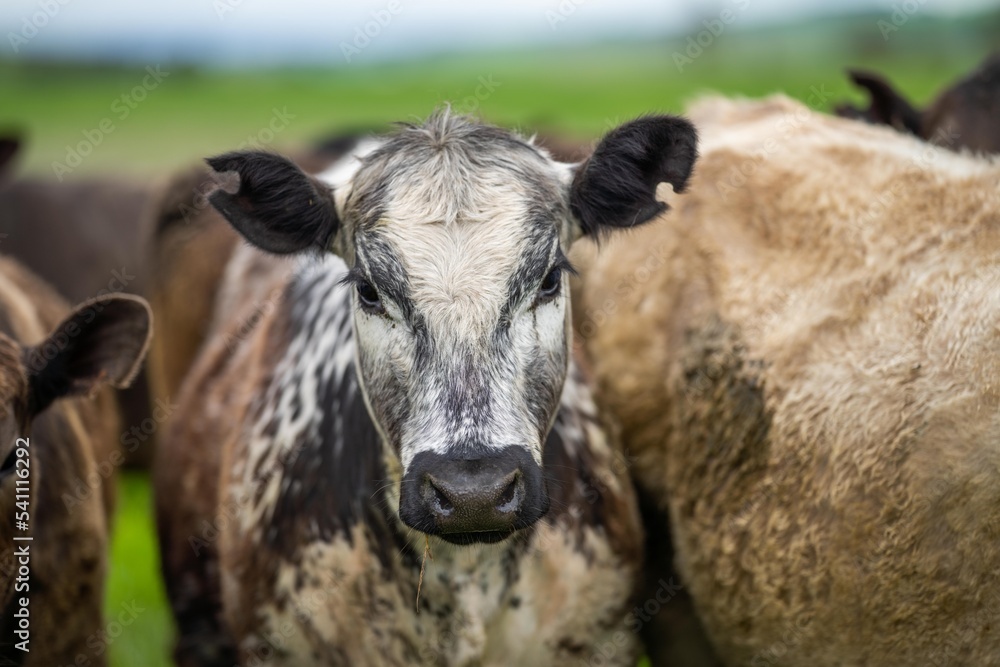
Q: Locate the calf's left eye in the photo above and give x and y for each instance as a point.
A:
(551, 284)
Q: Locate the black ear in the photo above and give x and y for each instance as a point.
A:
(887, 106)
(273, 203)
(616, 185)
(9, 146)
(102, 342)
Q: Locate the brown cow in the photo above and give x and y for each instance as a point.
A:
(86, 238)
(964, 116)
(804, 358)
(49, 449)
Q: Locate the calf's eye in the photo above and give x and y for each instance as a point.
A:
(368, 297)
(551, 284)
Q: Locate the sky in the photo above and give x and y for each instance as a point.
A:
(259, 32)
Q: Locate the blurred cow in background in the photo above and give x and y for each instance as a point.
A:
(964, 116)
(85, 238)
(57, 461)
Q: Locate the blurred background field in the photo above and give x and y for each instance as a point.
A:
(576, 89)
(579, 90)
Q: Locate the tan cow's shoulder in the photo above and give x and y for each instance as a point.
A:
(802, 354)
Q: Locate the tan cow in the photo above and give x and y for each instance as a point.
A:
(805, 354)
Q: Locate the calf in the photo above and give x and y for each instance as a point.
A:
(404, 397)
(85, 238)
(963, 116)
(48, 449)
(804, 362)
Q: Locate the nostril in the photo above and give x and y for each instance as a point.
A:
(510, 498)
(443, 504)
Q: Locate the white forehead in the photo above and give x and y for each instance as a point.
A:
(460, 205)
(459, 272)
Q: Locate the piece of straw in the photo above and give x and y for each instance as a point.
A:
(423, 564)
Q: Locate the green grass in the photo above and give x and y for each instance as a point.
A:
(136, 590)
(581, 92)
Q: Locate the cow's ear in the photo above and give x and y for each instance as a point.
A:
(272, 203)
(616, 186)
(9, 145)
(102, 342)
(887, 107)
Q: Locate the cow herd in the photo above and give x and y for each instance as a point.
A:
(723, 392)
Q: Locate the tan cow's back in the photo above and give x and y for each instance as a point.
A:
(805, 353)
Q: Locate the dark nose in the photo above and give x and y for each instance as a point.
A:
(474, 497)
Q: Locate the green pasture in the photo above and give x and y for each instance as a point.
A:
(579, 92)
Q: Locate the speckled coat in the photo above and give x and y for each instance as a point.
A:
(280, 538)
(426, 315)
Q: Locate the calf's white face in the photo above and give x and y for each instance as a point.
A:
(455, 234)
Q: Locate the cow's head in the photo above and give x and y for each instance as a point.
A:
(455, 234)
(102, 342)
(9, 146)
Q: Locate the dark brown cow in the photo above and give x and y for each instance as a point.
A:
(49, 449)
(964, 116)
(86, 238)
